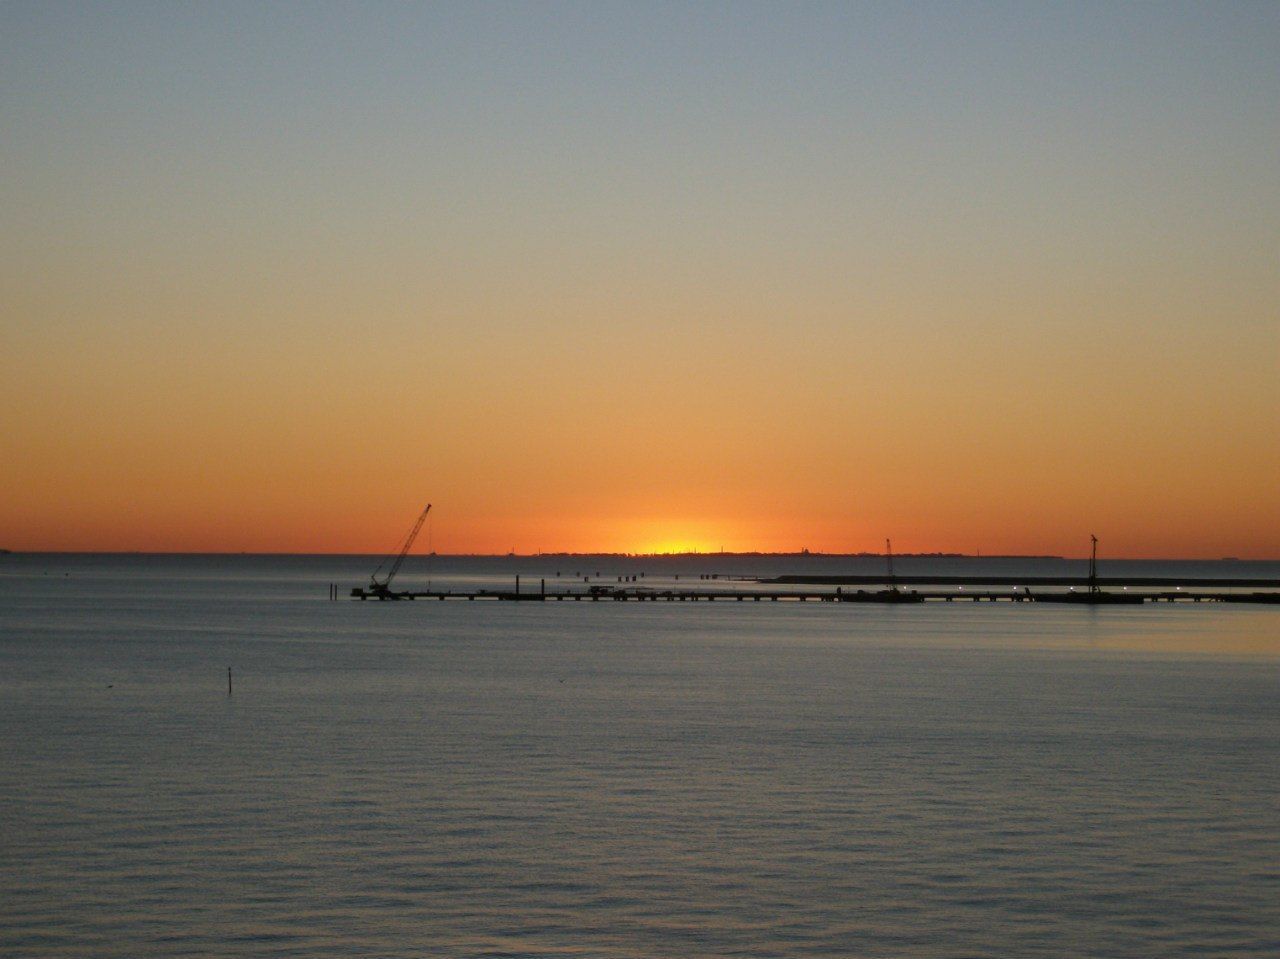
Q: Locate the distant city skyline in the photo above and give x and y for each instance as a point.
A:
(641, 277)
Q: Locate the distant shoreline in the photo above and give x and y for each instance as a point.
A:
(657, 557)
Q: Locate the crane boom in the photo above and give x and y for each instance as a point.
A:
(383, 587)
(1093, 565)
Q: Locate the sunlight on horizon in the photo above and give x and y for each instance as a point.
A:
(641, 277)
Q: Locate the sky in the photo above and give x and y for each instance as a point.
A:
(641, 277)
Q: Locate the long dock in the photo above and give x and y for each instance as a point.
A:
(913, 579)
(884, 596)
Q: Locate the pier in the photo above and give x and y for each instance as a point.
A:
(1080, 582)
(628, 594)
(802, 588)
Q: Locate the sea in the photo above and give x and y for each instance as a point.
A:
(602, 779)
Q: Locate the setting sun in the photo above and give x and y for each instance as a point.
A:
(670, 535)
(670, 547)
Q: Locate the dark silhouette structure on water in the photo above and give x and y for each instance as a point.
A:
(382, 588)
(1094, 595)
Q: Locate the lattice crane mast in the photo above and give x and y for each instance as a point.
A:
(382, 587)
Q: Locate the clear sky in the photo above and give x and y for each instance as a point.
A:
(641, 276)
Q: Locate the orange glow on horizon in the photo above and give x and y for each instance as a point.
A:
(970, 305)
(675, 547)
(786, 446)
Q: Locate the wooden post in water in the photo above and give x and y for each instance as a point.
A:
(228, 680)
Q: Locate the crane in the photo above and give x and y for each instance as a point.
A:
(1093, 566)
(382, 587)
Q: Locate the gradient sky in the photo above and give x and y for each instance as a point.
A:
(641, 276)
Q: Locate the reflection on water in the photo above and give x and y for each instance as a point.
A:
(471, 779)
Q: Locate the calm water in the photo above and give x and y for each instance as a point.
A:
(485, 779)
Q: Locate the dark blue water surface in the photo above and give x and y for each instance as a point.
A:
(620, 779)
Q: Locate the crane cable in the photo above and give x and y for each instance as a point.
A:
(398, 556)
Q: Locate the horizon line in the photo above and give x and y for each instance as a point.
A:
(625, 555)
